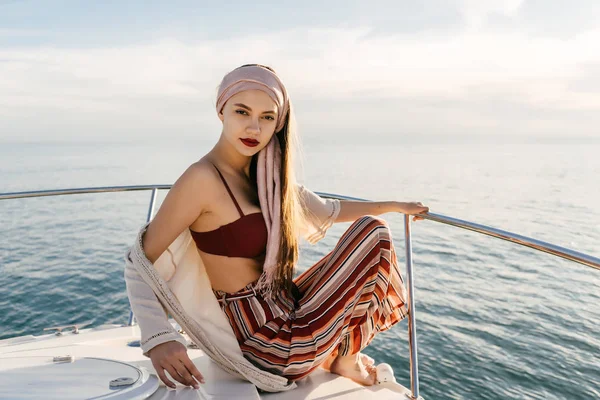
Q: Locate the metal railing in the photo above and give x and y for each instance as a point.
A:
(535, 244)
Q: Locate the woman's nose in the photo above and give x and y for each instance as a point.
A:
(254, 126)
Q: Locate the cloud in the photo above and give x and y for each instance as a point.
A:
(172, 83)
(476, 12)
(588, 81)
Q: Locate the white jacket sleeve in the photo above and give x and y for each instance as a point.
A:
(150, 314)
(319, 213)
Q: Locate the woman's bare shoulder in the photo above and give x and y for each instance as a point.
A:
(201, 168)
(191, 196)
(200, 175)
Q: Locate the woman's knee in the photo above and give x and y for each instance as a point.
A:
(376, 225)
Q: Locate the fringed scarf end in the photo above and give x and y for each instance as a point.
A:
(266, 284)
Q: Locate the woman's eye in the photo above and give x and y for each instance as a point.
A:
(241, 112)
(270, 118)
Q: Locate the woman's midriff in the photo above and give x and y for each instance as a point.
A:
(231, 274)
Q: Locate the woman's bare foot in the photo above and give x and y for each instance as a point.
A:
(356, 367)
(368, 362)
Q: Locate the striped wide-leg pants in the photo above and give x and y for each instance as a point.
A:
(340, 304)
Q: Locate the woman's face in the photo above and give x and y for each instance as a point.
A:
(249, 120)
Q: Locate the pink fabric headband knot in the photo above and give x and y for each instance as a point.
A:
(254, 77)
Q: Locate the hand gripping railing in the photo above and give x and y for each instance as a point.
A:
(568, 254)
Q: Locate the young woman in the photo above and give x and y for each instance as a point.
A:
(244, 210)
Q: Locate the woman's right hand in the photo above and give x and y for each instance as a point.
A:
(172, 356)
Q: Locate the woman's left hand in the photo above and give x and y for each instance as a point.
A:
(413, 208)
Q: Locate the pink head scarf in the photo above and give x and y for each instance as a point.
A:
(255, 77)
(268, 169)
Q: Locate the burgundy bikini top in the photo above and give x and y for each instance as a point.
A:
(245, 237)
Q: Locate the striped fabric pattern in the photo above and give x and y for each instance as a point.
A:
(340, 304)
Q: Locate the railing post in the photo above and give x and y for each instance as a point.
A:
(148, 218)
(412, 328)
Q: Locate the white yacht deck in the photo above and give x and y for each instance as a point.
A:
(102, 354)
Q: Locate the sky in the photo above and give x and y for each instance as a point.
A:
(112, 70)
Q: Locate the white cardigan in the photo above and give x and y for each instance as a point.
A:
(177, 283)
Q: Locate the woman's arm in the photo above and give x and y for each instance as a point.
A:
(160, 341)
(351, 210)
(321, 212)
(182, 206)
(179, 210)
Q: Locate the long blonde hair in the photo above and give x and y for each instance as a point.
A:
(291, 210)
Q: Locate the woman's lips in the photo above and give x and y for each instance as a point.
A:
(250, 142)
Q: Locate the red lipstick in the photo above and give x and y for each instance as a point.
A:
(250, 142)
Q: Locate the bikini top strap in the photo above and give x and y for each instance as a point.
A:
(230, 192)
